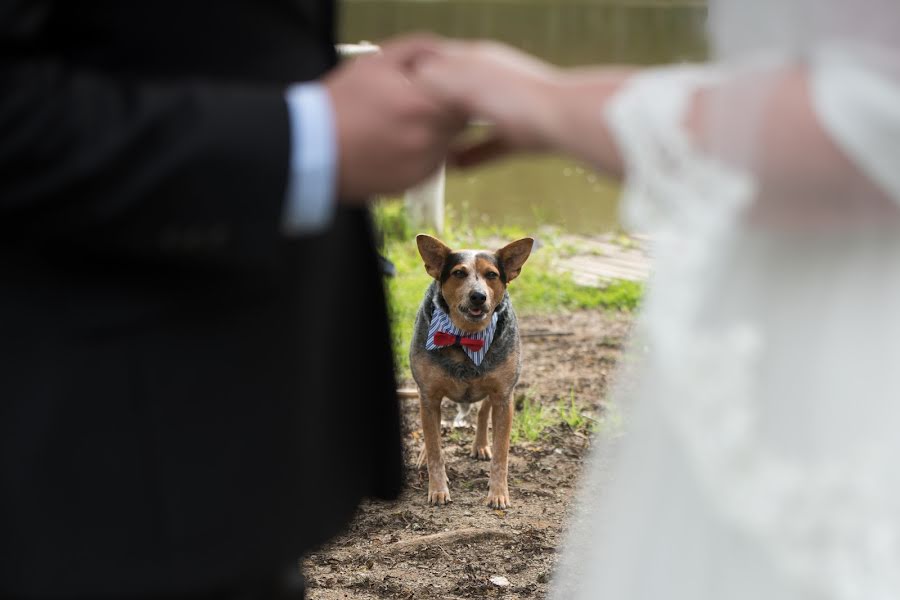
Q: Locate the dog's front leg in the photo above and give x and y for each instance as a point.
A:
(501, 418)
(430, 410)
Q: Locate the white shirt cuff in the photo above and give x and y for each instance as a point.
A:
(310, 194)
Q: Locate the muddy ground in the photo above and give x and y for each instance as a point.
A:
(385, 552)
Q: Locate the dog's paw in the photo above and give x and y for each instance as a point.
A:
(439, 497)
(498, 500)
(481, 452)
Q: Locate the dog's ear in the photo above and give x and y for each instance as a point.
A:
(434, 252)
(513, 256)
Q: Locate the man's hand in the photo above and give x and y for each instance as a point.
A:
(391, 134)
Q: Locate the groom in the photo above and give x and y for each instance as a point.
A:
(195, 370)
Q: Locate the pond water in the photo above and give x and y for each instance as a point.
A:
(531, 191)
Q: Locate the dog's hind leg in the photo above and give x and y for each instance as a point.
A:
(480, 448)
(430, 410)
(462, 416)
(501, 417)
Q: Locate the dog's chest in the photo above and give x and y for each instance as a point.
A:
(472, 391)
(499, 381)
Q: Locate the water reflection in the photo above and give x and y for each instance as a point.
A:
(529, 191)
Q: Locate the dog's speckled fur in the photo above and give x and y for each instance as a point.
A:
(449, 373)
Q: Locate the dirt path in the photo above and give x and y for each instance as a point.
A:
(409, 550)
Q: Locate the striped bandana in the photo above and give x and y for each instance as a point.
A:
(440, 321)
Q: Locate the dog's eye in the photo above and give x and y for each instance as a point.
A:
(459, 273)
(491, 275)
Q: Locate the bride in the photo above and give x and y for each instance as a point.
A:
(761, 460)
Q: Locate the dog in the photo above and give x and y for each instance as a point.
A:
(466, 347)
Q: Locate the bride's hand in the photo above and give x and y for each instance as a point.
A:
(531, 105)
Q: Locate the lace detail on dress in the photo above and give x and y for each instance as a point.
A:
(668, 180)
(830, 526)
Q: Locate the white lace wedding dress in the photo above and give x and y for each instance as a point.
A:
(762, 454)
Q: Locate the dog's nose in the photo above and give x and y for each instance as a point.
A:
(477, 298)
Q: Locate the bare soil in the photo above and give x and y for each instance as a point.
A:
(407, 549)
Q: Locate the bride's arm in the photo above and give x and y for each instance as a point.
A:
(790, 143)
(764, 121)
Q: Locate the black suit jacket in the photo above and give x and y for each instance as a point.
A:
(187, 397)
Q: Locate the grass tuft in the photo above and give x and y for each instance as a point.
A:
(530, 420)
(571, 415)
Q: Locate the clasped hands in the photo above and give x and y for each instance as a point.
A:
(399, 113)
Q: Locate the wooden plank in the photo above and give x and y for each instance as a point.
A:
(625, 262)
(633, 272)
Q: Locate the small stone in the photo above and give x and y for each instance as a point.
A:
(500, 581)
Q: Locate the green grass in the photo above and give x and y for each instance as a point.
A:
(570, 414)
(532, 417)
(530, 421)
(540, 289)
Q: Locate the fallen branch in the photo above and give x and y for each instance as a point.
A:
(445, 538)
(531, 334)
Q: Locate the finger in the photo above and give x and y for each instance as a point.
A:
(442, 108)
(407, 50)
(441, 76)
(472, 155)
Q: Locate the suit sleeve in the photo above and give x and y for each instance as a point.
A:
(120, 165)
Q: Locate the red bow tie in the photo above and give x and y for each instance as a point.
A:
(442, 338)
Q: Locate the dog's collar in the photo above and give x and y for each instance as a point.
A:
(441, 322)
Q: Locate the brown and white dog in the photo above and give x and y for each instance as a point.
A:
(466, 347)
